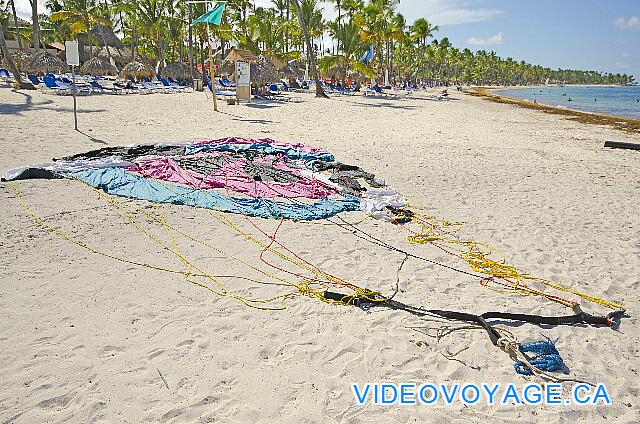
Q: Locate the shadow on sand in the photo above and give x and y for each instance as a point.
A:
(29, 104)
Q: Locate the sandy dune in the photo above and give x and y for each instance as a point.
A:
(85, 338)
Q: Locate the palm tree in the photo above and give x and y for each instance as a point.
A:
(312, 54)
(348, 35)
(338, 22)
(9, 59)
(80, 16)
(422, 30)
(35, 31)
(15, 23)
(353, 7)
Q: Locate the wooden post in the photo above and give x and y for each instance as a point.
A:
(235, 78)
(211, 73)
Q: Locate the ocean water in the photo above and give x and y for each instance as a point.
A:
(616, 101)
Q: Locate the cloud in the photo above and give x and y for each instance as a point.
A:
(627, 23)
(446, 12)
(23, 8)
(490, 41)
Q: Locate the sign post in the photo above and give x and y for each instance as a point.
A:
(243, 81)
(73, 59)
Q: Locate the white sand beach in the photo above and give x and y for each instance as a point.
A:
(85, 338)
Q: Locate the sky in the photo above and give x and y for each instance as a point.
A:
(602, 35)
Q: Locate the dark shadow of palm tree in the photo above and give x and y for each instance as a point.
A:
(29, 104)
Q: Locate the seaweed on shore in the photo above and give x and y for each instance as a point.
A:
(629, 125)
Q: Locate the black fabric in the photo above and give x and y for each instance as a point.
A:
(128, 153)
(267, 173)
(202, 164)
(346, 176)
(35, 174)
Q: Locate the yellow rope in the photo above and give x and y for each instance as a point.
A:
(477, 256)
(305, 288)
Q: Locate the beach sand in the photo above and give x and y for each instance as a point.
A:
(85, 338)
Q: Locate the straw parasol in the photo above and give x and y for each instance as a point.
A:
(136, 70)
(291, 72)
(264, 71)
(121, 56)
(20, 58)
(98, 67)
(105, 36)
(44, 62)
(178, 70)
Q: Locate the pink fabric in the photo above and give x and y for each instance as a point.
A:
(234, 177)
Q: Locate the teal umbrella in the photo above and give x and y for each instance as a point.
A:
(214, 16)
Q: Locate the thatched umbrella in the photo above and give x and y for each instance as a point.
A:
(121, 56)
(137, 70)
(20, 58)
(178, 70)
(41, 63)
(264, 71)
(98, 67)
(291, 72)
(105, 36)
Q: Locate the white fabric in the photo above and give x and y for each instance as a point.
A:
(323, 178)
(375, 202)
(65, 166)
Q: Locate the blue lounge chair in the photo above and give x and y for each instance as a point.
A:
(58, 87)
(221, 93)
(97, 87)
(173, 86)
(226, 83)
(5, 75)
(148, 85)
(274, 90)
(34, 80)
(376, 90)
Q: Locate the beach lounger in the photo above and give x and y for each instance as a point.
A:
(224, 94)
(5, 75)
(226, 83)
(56, 86)
(34, 80)
(99, 88)
(173, 85)
(274, 90)
(294, 89)
(152, 87)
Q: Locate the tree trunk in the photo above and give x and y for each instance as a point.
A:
(35, 36)
(160, 47)
(15, 22)
(9, 59)
(312, 54)
(286, 30)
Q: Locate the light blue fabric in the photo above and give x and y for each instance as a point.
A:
(120, 182)
(261, 147)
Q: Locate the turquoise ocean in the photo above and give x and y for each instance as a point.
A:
(608, 100)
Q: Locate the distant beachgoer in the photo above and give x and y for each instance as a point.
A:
(564, 94)
(595, 99)
(535, 101)
(569, 99)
